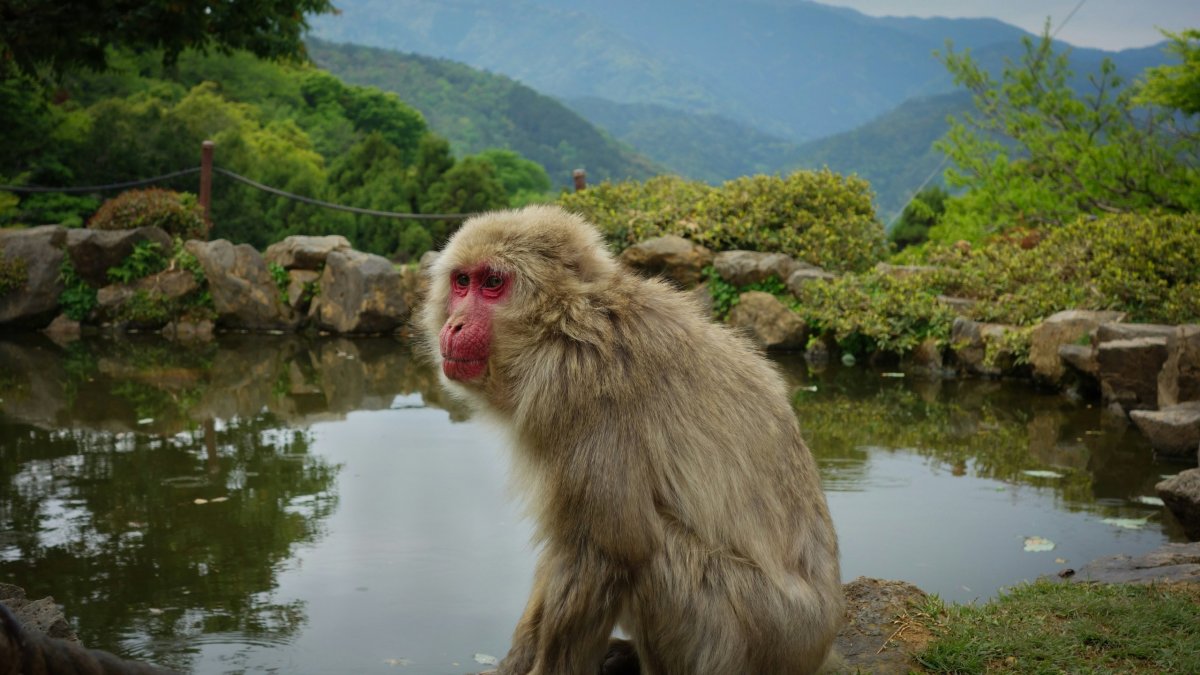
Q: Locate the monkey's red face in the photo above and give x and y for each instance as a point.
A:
(466, 337)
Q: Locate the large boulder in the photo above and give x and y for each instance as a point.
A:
(300, 252)
(1167, 564)
(806, 274)
(672, 257)
(1063, 328)
(970, 340)
(359, 293)
(35, 253)
(1128, 371)
(1107, 332)
(742, 268)
(1173, 430)
(768, 321)
(1179, 379)
(243, 291)
(1181, 494)
(94, 252)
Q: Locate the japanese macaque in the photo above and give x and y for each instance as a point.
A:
(672, 493)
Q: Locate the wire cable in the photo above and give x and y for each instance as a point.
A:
(99, 188)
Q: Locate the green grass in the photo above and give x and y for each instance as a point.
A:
(1046, 627)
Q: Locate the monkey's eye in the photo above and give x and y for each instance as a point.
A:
(493, 281)
(462, 280)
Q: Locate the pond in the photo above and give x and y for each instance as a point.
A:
(264, 504)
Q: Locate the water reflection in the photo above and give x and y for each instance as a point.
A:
(305, 505)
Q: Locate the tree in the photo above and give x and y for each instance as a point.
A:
(922, 213)
(70, 35)
(524, 180)
(1037, 153)
(470, 186)
(1176, 86)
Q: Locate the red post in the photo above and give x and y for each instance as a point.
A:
(580, 177)
(206, 162)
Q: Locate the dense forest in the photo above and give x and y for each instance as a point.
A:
(476, 110)
(288, 125)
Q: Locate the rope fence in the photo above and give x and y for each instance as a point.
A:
(207, 169)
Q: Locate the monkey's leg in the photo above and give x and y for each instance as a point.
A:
(584, 593)
(523, 651)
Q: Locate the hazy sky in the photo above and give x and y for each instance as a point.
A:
(1105, 24)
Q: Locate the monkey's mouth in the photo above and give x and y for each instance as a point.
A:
(463, 370)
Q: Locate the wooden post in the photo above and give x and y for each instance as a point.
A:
(580, 177)
(206, 162)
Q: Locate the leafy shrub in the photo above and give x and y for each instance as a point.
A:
(145, 259)
(78, 299)
(816, 216)
(1146, 265)
(177, 213)
(874, 311)
(725, 295)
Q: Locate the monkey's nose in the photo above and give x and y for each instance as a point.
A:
(457, 327)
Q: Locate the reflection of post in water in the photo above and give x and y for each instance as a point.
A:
(210, 445)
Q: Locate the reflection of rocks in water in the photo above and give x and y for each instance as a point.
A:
(1048, 446)
(146, 383)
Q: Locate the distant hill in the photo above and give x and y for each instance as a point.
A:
(476, 110)
(793, 69)
(705, 147)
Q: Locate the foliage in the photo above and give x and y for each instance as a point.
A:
(725, 295)
(922, 214)
(177, 214)
(525, 181)
(145, 259)
(1068, 628)
(280, 276)
(478, 111)
(1037, 153)
(13, 273)
(814, 216)
(1148, 266)
(69, 35)
(470, 186)
(1176, 86)
(875, 311)
(78, 299)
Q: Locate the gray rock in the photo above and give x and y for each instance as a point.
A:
(903, 271)
(42, 615)
(63, 329)
(114, 302)
(1058, 330)
(94, 252)
(40, 250)
(768, 321)
(1172, 562)
(359, 293)
(244, 293)
(300, 252)
(969, 341)
(742, 268)
(299, 281)
(1080, 357)
(1174, 430)
(1108, 332)
(1179, 379)
(1181, 494)
(1128, 370)
(703, 298)
(672, 257)
(927, 355)
(960, 306)
(806, 274)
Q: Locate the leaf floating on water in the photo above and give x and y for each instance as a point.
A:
(397, 662)
(1127, 523)
(1149, 501)
(1036, 473)
(217, 500)
(1060, 561)
(893, 374)
(848, 359)
(145, 420)
(199, 500)
(154, 611)
(486, 659)
(811, 387)
(1038, 544)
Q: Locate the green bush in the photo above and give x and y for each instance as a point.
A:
(815, 216)
(145, 259)
(177, 213)
(1146, 265)
(874, 311)
(78, 299)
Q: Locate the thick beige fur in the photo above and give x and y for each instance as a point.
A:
(672, 492)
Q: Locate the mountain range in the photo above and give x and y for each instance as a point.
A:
(712, 89)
